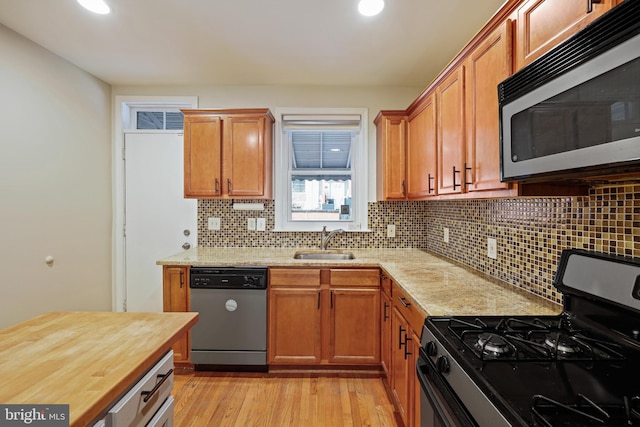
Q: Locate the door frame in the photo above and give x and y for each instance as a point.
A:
(121, 116)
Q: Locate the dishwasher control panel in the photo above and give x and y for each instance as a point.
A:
(228, 278)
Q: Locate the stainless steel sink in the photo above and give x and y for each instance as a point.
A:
(327, 255)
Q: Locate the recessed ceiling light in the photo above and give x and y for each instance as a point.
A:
(370, 7)
(96, 6)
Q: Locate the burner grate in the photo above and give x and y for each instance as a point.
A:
(552, 413)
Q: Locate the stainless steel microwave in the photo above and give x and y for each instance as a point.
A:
(575, 111)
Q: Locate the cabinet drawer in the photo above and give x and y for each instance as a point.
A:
(407, 308)
(294, 277)
(355, 277)
(132, 410)
(164, 416)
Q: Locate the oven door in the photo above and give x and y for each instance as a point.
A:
(439, 406)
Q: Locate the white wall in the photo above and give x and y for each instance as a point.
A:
(373, 98)
(55, 184)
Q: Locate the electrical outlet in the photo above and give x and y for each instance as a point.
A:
(445, 232)
(261, 224)
(251, 224)
(391, 230)
(214, 224)
(492, 248)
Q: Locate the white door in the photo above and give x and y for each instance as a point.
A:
(158, 219)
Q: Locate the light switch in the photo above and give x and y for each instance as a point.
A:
(251, 224)
(261, 224)
(391, 230)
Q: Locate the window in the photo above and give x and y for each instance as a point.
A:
(321, 169)
(157, 119)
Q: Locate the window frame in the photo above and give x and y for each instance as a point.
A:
(359, 172)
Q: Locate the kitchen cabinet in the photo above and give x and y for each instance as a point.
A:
(450, 97)
(486, 66)
(421, 150)
(228, 153)
(385, 325)
(294, 316)
(324, 316)
(391, 131)
(543, 24)
(406, 326)
(175, 283)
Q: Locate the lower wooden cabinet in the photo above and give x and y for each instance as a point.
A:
(324, 316)
(294, 326)
(406, 322)
(175, 283)
(385, 325)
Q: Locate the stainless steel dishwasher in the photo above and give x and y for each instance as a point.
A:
(232, 328)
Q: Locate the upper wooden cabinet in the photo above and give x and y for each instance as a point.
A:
(405, 154)
(228, 153)
(451, 135)
(391, 136)
(421, 149)
(543, 24)
(486, 66)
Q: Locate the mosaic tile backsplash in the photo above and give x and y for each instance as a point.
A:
(530, 232)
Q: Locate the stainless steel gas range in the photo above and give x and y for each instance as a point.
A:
(580, 368)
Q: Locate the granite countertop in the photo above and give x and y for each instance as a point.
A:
(437, 286)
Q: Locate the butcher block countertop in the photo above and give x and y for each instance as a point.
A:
(437, 286)
(84, 359)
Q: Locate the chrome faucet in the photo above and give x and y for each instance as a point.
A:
(326, 236)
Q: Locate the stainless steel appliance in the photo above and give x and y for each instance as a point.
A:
(576, 110)
(232, 329)
(580, 368)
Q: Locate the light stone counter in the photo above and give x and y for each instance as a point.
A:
(439, 287)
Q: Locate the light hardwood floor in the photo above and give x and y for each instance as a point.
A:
(207, 399)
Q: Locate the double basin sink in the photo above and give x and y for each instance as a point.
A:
(323, 255)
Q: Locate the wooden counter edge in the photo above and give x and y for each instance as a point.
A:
(102, 405)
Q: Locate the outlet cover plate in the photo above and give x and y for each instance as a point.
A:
(492, 248)
(261, 224)
(391, 230)
(213, 224)
(251, 224)
(445, 232)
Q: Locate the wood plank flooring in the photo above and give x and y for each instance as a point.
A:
(206, 399)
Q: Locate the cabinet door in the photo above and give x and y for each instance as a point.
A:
(294, 326)
(451, 133)
(175, 284)
(385, 335)
(415, 382)
(488, 65)
(543, 24)
(354, 325)
(401, 371)
(392, 138)
(202, 156)
(244, 156)
(421, 152)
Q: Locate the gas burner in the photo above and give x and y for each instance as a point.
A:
(492, 344)
(562, 344)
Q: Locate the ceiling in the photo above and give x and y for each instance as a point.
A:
(253, 42)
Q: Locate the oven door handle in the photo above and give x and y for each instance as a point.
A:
(430, 378)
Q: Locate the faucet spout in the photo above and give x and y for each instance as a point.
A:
(326, 237)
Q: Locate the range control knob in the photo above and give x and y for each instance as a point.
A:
(431, 348)
(442, 364)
